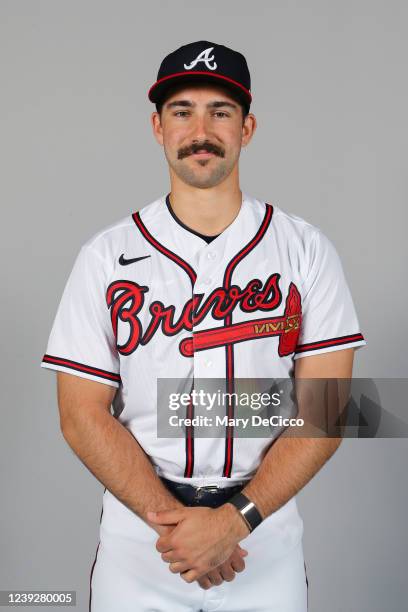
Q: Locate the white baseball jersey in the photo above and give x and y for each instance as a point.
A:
(148, 298)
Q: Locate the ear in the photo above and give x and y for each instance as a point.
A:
(157, 127)
(248, 129)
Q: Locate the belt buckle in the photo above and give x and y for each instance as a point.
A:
(211, 488)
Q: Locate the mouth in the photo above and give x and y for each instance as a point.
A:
(202, 154)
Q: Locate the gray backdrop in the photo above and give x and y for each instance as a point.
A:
(330, 96)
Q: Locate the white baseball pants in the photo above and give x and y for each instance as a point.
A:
(130, 576)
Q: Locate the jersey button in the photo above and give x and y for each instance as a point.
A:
(208, 363)
(207, 281)
(211, 255)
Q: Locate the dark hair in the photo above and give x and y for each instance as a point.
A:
(172, 89)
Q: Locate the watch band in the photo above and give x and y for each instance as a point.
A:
(247, 509)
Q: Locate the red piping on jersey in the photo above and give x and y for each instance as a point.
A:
(314, 346)
(189, 465)
(229, 349)
(178, 260)
(81, 367)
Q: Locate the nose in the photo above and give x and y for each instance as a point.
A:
(200, 128)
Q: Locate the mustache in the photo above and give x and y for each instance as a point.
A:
(205, 146)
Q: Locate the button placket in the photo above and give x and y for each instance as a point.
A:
(206, 277)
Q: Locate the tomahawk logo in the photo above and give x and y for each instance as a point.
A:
(204, 56)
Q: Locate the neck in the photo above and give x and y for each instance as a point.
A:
(207, 211)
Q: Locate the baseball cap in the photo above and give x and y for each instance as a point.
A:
(204, 61)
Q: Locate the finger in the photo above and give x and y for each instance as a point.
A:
(238, 566)
(237, 563)
(227, 573)
(215, 577)
(165, 517)
(205, 583)
(242, 551)
(164, 529)
(164, 545)
(190, 575)
(170, 557)
(178, 567)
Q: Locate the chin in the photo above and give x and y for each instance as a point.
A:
(201, 178)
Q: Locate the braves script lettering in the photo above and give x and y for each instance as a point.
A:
(125, 300)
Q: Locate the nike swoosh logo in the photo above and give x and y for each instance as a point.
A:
(126, 262)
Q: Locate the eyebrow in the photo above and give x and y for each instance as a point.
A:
(189, 104)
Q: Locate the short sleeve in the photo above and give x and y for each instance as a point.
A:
(81, 341)
(329, 320)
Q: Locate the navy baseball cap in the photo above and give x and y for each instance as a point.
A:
(204, 61)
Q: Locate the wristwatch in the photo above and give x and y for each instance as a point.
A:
(247, 509)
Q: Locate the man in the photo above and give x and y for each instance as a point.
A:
(204, 283)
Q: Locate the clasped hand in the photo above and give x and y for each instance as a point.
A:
(202, 543)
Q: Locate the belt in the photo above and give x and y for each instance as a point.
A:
(212, 496)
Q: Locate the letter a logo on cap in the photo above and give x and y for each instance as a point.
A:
(203, 57)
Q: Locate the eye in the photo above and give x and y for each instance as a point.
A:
(221, 113)
(183, 113)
